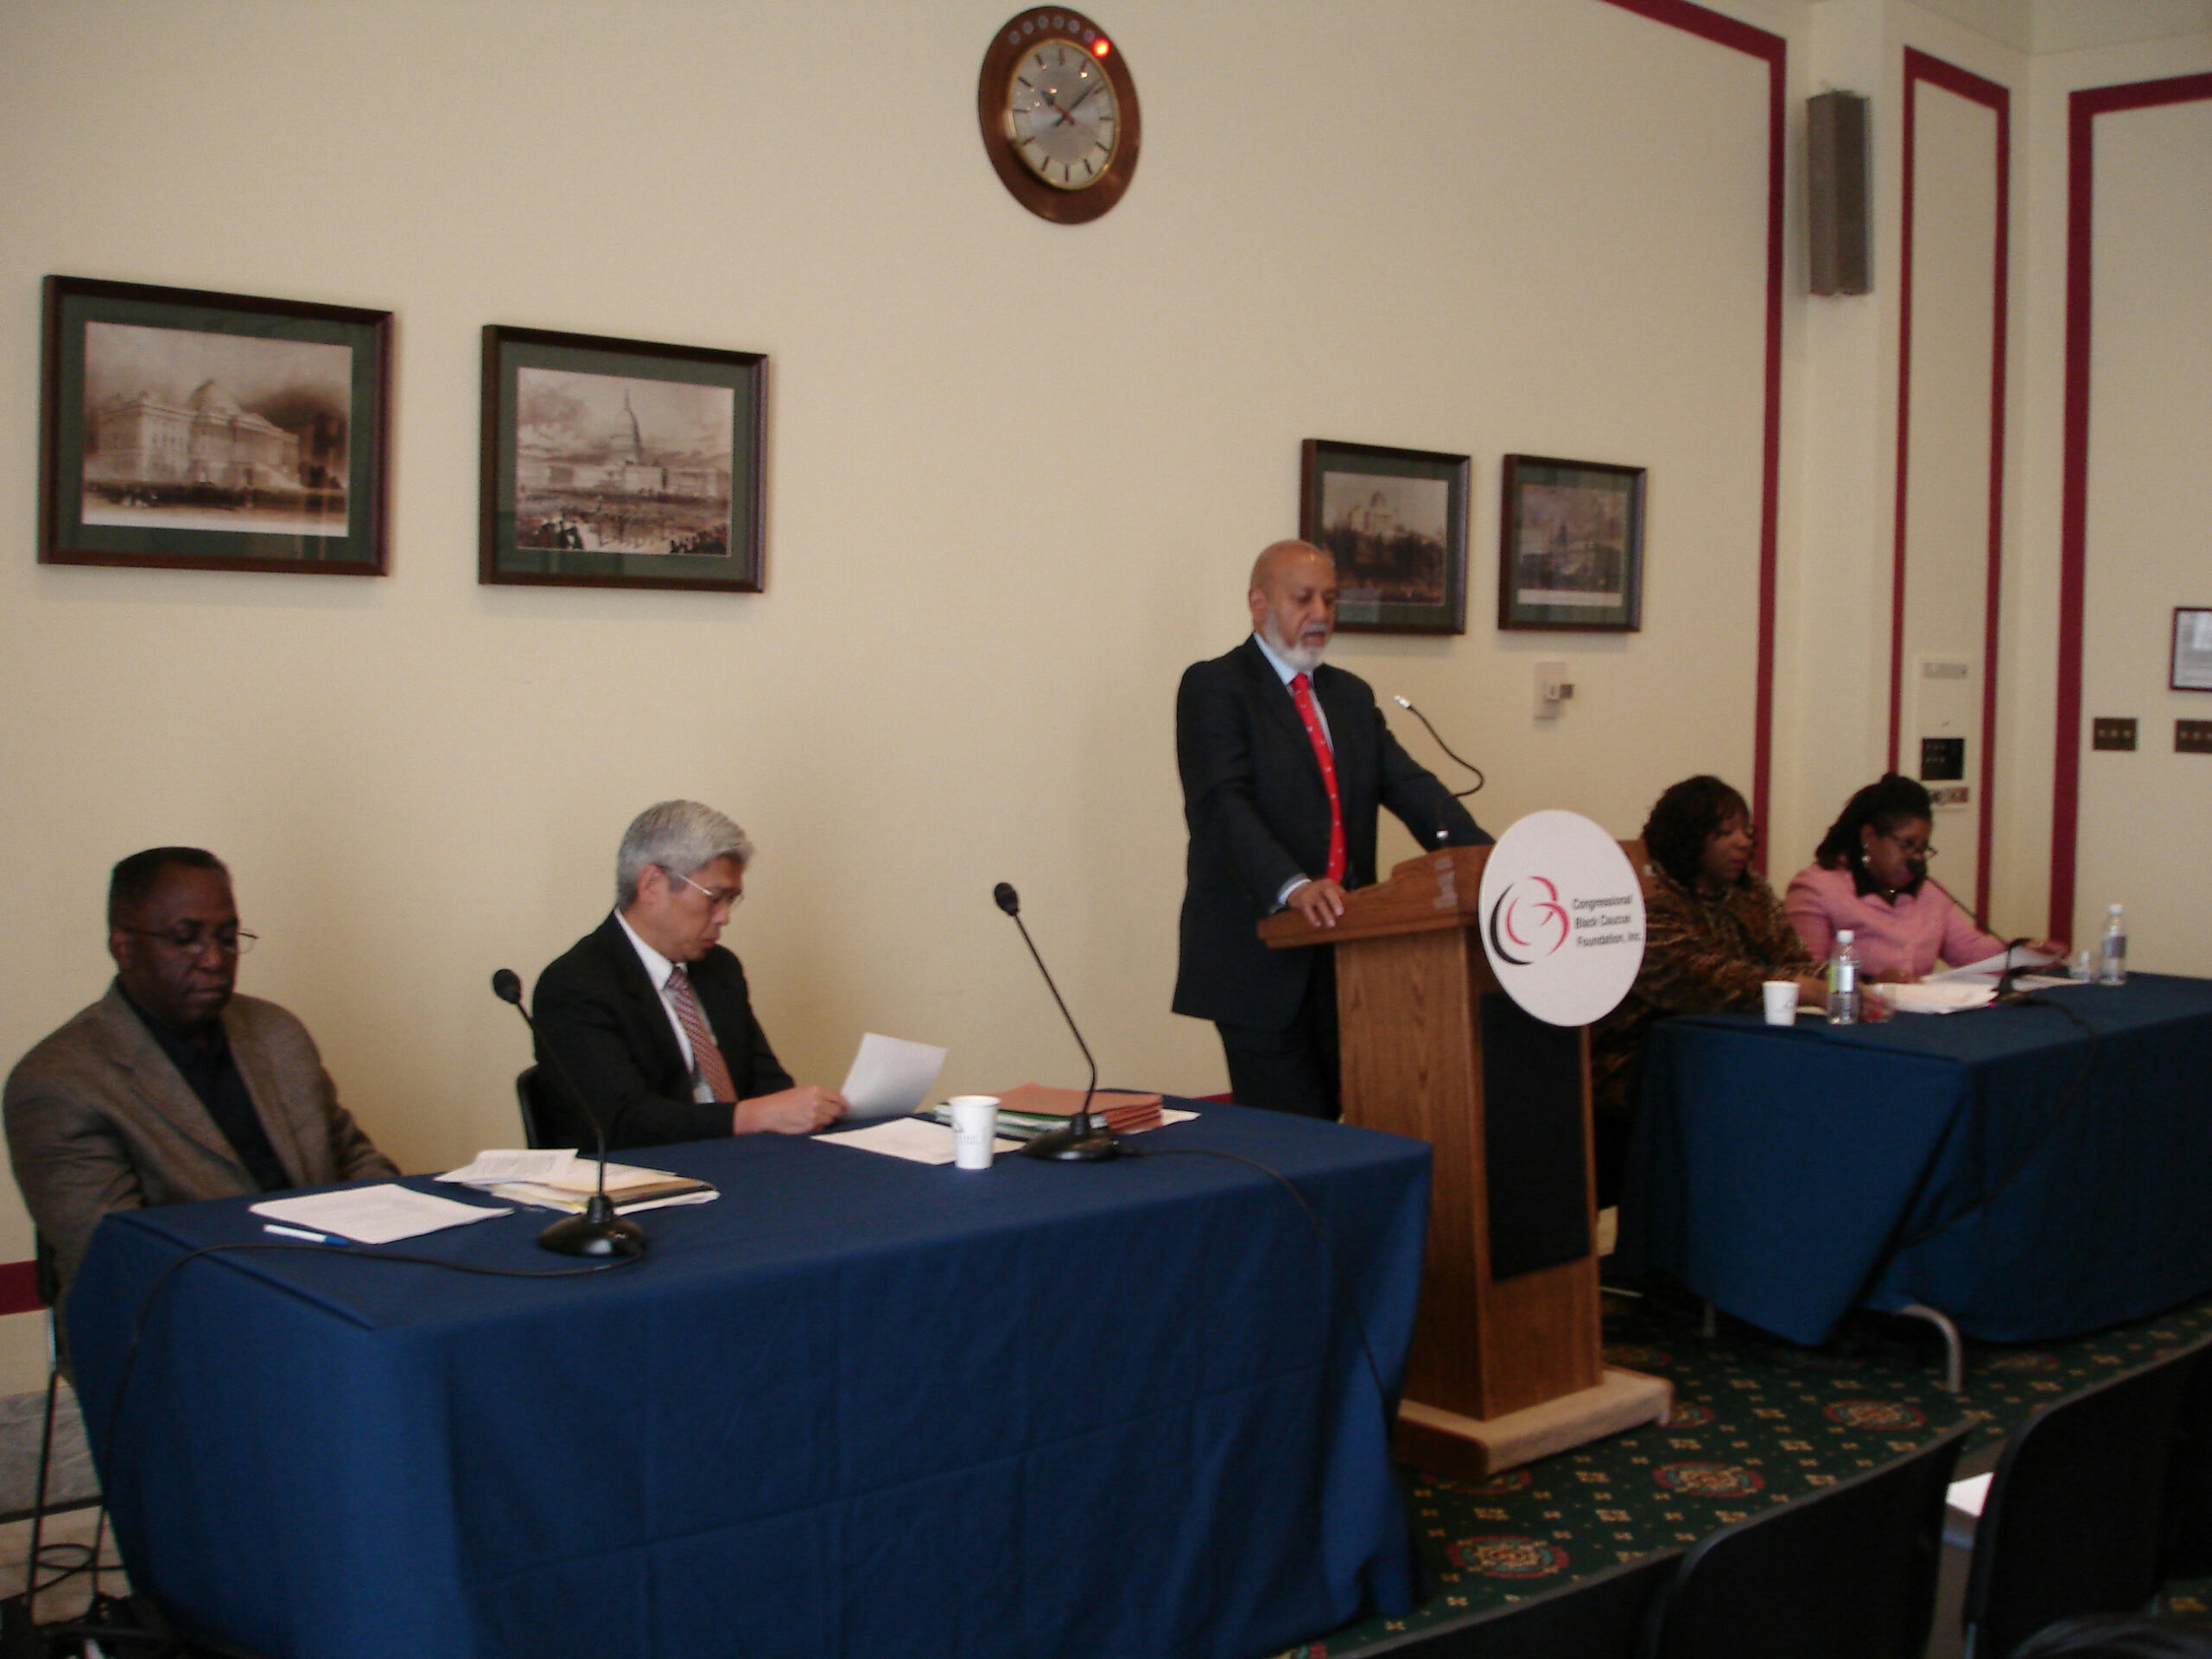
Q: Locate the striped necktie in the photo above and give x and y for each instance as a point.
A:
(1301, 691)
(705, 1057)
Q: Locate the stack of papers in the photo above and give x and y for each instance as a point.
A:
(1120, 1111)
(561, 1180)
(1935, 996)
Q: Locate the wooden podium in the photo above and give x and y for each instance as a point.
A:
(1507, 1363)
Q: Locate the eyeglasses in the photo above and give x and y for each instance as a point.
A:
(192, 938)
(1924, 849)
(717, 897)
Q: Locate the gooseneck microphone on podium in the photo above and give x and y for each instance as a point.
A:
(1082, 1141)
(599, 1230)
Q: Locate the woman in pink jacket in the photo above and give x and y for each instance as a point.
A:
(1869, 874)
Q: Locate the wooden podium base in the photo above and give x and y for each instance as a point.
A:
(1475, 1448)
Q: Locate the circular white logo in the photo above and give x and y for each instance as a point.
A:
(1562, 917)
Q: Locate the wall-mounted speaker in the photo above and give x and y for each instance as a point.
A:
(1836, 206)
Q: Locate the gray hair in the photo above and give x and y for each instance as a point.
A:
(677, 835)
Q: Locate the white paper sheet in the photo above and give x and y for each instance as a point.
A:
(376, 1214)
(1989, 968)
(1970, 1494)
(915, 1139)
(890, 1078)
(1932, 996)
(515, 1164)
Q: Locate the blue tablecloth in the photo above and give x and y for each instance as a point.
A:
(856, 1406)
(2000, 1164)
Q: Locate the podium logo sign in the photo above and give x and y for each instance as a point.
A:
(1562, 917)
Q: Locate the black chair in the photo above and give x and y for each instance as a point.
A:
(1848, 1572)
(2187, 1550)
(1599, 1617)
(534, 1114)
(2074, 1512)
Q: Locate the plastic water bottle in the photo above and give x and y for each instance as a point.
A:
(1843, 981)
(2112, 958)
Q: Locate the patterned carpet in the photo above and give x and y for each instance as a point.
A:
(1757, 1421)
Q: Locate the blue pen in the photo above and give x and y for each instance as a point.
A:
(302, 1232)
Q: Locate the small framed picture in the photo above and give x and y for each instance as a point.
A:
(2192, 658)
(622, 463)
(1396, 522)
(1571, 546)
(196, 430)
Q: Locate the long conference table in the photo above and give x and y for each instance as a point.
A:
(856, 1406)
(2032, 1172)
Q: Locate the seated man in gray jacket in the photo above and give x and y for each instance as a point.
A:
(170, 1088)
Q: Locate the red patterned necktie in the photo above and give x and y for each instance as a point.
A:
(1301, 691)
(704, 1054)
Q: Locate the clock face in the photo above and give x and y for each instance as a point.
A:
(1061, 115)
(1058, 114)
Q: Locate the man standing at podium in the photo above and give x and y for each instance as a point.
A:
(1285, 761)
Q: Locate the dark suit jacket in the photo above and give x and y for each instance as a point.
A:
(1258, 814)
(597, 1010)
(100, 1119)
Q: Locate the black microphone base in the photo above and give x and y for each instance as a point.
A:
(594, 1234)
(1075, 1145)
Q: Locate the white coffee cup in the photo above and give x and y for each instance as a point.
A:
(975, 1125)
(1781, 1001)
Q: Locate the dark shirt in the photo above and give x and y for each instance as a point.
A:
(213, 1071)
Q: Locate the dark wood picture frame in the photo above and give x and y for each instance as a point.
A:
(1589, 517)
(604, 494)
(2195, 676)
(207, 431)
(1402, 550)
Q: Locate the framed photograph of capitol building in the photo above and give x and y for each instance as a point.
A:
(1571, 546)
(1396, 522)
(198, 430)
(622, 463)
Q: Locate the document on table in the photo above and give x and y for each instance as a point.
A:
(915, 1139)
(375, 1215)
(491, 1168)
(889, 1078)
(1990, 967)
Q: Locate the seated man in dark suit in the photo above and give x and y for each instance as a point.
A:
(170, 1088)
(651, 1016)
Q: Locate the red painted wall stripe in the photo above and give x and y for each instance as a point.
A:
(1920, 66)
(2073, 511)
(1774, 52)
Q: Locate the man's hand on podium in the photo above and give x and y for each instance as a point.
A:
(1319, 900)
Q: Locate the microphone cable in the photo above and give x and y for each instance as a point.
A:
(1457, 794)
(1320, 1231)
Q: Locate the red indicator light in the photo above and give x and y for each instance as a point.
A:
(1102, 47)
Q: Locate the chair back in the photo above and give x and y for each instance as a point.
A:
(2188, 1548)
(1848, 1572)
(1599, 1617)
(534, 1116)
(2072, 1520)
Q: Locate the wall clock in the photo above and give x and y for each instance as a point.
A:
(1060, 114)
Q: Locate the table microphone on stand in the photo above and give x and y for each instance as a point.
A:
(2007, 991)
(1082, 1141)
(599, 1230)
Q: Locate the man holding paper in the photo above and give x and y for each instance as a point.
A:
(170, 1088)
(651, 1016)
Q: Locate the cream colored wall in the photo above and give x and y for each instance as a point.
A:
(2143, 832)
